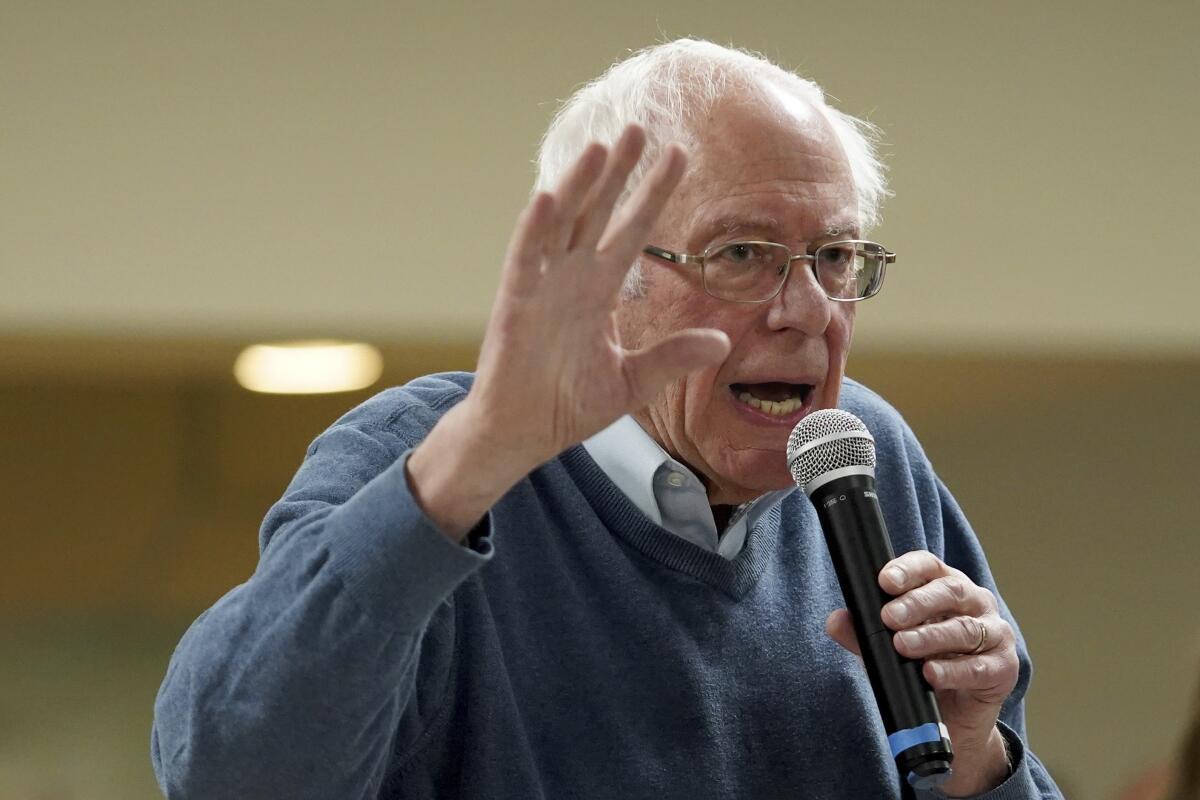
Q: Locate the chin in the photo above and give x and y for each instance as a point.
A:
(751, 477)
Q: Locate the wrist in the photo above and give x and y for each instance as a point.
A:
(981, 768)
(457, 473)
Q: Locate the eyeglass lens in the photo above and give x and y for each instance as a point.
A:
(756, 270)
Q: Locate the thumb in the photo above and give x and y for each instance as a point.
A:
(840, 628)
(653, 367)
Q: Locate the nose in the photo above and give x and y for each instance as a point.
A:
(801, 303)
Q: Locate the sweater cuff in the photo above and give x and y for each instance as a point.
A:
(1020, 784)
(392, 557)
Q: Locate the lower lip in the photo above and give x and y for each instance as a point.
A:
(760, 417)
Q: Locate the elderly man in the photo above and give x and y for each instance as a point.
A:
(581, 572)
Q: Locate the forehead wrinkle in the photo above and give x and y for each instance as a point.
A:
(775, 193)
(811, 190)
(808, 196)
(809, 208)
(813, 166)
(789, 155)
(739, 222)
(776, 180)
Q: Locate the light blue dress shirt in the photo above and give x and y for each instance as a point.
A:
(669, 493)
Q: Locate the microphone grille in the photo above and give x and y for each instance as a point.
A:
(828, 440)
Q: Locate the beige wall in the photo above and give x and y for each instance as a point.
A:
(225, 166)
(179, 178)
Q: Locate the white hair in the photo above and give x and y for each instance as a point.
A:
(665, 87)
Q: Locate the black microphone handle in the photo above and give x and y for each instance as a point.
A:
(859, 546)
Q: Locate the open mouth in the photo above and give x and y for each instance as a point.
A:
(775, 398)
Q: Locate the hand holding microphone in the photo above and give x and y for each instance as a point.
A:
(940, 658)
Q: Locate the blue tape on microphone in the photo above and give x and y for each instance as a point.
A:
(911, 737)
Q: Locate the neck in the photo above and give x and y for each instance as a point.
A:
(724, 493)
(721, 515)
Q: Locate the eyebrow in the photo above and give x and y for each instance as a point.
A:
(846, 228)
(741, 224)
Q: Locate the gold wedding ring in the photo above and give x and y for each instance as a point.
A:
(983, 637)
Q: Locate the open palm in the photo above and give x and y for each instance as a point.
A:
(552, 370)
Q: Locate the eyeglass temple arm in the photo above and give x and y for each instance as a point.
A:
(888, 256)
(675, 258)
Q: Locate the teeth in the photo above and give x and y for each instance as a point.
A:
(750, 399)
(772, 407)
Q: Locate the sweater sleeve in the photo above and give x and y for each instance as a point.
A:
(293, 684)
(1029, 779)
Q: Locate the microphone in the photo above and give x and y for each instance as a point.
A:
(831, 456)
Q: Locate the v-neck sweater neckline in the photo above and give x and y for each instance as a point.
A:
(735, 577)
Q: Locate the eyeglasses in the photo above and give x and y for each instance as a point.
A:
(847, 271)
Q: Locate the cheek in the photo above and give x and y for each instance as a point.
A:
(837, 339)
(689, 409)
(686, 404)
(706, 388)
(708, 417)
(651, 316)
(700, 390)
(841, 330)
(637, 325)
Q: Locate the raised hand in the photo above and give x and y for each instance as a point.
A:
(552, 370)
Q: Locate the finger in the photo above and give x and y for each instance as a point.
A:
(572, 191)
(840, 627)
(950, 596)
(961, 635)
(627, 234)
(523, 264)
(910, 570)
(599, 208)
(990, 677)
(650, 369)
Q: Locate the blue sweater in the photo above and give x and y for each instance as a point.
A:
(573, 649)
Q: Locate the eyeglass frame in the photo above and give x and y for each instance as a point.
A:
(685, 258)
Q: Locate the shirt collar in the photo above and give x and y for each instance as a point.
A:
(630, 458)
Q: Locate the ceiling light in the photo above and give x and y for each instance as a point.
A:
(308, 367)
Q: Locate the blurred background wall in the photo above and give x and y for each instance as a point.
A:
(180, 180)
